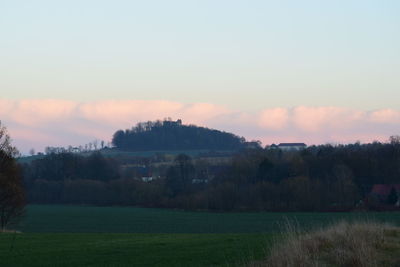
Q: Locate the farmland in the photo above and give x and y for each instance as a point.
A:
(119, 236)
(72, 249)
(86, 219)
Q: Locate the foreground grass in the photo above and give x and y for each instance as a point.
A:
(86, 219)
(46, 249)
(120, 236)
(359, 244)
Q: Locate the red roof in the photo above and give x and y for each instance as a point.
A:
(384, 189)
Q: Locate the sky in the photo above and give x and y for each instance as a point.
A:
(276, 71)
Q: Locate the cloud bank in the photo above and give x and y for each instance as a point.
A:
(51, 122)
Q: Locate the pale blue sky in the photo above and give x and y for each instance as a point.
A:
(247, 55)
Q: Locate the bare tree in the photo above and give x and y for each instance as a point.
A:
(5, 145)
(48, 150)
(95, 144)
(12, 195)
(394, 139)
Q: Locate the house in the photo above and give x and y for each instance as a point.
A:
(199, 181)
(385, 194)
(141, 172)
(292, 146)
(252, 145)
(272, 147)
(147, 179)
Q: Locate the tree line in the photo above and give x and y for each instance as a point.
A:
(319, 178)
(173, 135)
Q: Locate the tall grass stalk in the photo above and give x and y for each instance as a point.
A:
(357, 244)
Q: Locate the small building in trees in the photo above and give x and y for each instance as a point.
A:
(385, 194)
(272, 147)
(292, 146)
(147, 179)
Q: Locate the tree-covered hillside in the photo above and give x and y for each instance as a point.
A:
(173, 135)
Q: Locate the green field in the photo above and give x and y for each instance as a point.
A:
(81, 219)
(46, 249)
(117, 236)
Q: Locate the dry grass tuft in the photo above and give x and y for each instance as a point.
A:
(358, 244)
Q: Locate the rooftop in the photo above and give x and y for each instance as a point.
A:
(384, 189)
(292, 144)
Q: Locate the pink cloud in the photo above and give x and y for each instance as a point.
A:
(201, 113)
(32, 135)
(38, 123)
(117, 112)
(385, 116)
(275, 118)
(314, 119)
(6, 106)
(33, 112)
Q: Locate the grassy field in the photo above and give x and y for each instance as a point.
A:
(44, 249)
(81, 219)
(117, 236)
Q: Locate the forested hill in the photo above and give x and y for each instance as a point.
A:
(173, 135)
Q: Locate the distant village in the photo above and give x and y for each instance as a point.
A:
(183, 161)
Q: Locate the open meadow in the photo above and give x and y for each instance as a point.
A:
(128, 249)
(120, 236)
(88, 219)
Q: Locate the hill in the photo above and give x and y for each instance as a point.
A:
(173, 135)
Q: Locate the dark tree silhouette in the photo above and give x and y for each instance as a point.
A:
(318, 178)
(12, 196)
(173, 135)
(392, 197)
(179, 177)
